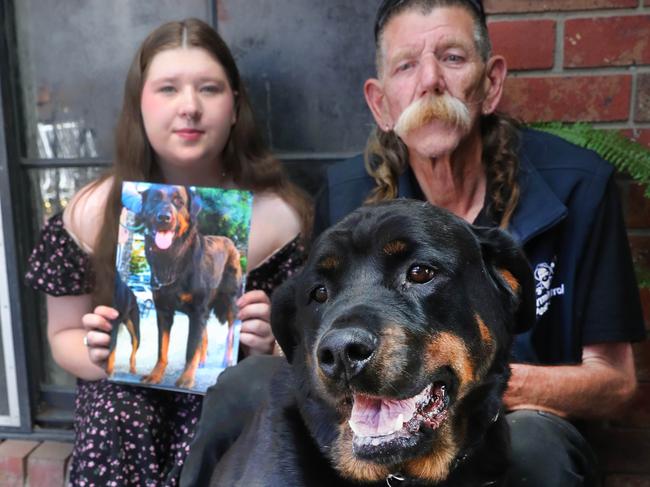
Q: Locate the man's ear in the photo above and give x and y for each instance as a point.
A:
(283, 316)
(374, 93)
(496, 71)
(510, 270)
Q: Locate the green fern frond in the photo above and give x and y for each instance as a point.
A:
(623, 153)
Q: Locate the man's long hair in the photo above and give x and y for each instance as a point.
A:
(386, 156)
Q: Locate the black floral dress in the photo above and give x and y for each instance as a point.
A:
(125, 434)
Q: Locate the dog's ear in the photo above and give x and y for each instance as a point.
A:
(509, 268)
(283, 315)
(194, 203)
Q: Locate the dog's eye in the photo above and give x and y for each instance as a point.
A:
(319, 294)
(420, 274)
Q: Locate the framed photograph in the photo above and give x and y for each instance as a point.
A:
(180, 268)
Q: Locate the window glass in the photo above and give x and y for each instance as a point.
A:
(51, 190)
(74, 55)
(304, 64)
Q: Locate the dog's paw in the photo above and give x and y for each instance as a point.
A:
(185, 381)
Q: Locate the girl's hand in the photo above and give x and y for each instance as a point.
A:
(255, 313)
(98, 329)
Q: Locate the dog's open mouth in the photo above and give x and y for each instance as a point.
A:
(380, 425)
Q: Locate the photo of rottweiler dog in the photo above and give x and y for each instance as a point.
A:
(191, 276)
(397, 335)
(125, 301)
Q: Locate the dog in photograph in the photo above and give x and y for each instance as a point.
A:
(124, 301)
(397, 335)
(190, 273)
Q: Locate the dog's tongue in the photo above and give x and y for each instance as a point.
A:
(380, 417)
(164, 240)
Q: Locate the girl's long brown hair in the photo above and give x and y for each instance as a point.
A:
(246, 158)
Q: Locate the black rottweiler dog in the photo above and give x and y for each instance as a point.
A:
(191, 273)
(125, 302)
(398, 335)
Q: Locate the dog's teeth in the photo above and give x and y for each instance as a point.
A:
(353, 428)
(399, 422)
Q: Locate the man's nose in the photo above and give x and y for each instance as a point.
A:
(431, 76)
(190, 104)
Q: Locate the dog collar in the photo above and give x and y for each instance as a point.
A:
(398, 478)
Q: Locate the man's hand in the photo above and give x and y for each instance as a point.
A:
(596, 388)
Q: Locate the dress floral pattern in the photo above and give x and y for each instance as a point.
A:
(124, 434)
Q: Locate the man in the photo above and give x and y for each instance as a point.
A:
(438, 138)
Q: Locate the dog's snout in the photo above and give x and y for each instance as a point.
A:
(164, 217)
(345, 351)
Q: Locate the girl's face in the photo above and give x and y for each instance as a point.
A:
(188, 109)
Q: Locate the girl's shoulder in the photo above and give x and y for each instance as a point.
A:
(274, 223)
(84, 215)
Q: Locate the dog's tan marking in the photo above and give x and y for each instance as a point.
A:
(349, 465)
(204, 346)
(511, 280)
(435, 466)
(395, 247)
(186, 380)
(486, 336)
(110, 363)
(329, 263)
(448, 350)
(134, 345)
(158, 371)
(489, 346)
(392, 355)
(183, 215)
(185, 297)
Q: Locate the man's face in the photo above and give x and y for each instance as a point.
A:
(431, 55)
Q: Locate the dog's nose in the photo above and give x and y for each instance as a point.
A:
(164, 217)
(345, 350)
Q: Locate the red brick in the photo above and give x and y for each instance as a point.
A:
(622, 450)
(505, 6)
(642, 360)
(627, 41)
(645, 303)
(640, 245)
(642, 136)
(512, 40)
(637, 207)
(569, 99)
(13, 462)
(643, 98)
(47, 464)
(619, 480)
(637, 412)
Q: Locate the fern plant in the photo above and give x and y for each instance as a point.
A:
(626, 155)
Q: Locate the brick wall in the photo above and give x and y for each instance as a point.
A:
(589, 60)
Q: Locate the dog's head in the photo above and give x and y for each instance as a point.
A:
(402, 320)
(167, 213)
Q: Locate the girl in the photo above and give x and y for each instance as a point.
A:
(186, 119)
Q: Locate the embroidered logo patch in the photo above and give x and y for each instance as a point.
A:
(543, 292)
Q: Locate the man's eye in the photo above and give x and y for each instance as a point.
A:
(319, 294)
(405, 66)
(454, 58)
(420, 274)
